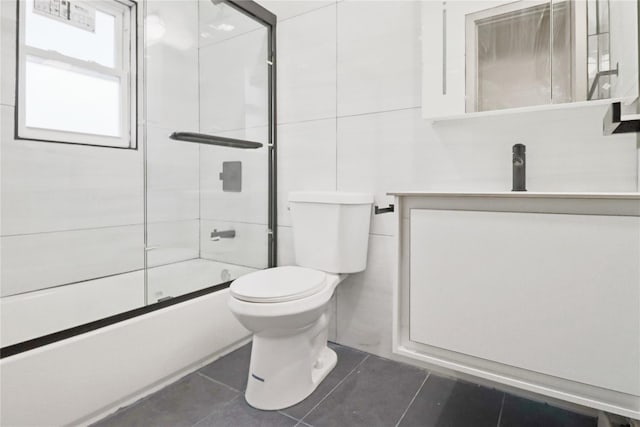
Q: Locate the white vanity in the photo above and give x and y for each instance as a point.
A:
(539, 291)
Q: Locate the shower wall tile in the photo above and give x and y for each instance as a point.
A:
(379, 61)
(251, 203)
(364, 301)
(52, 187)
(172, 241)
(234, 90)
(306, 160)
(248, 248)
(286, 9)
(220, 22)
(172, 65)
(68, 306)
(307, 66)
(7, 51)
(172, 177)
(44, 260)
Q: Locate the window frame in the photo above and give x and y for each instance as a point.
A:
(124, 69)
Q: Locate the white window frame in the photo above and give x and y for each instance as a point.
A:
(124, 69)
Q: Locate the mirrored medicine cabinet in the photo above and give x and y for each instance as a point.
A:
(498, 56)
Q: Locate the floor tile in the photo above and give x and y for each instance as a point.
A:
(443, 402)
(238, 413)
(231, 369)
(376, 394)
(519, 412)
(348, 359)
(183, 403)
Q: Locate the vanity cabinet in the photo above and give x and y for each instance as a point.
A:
(538, 291)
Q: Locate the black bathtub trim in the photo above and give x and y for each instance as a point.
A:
(31, 344)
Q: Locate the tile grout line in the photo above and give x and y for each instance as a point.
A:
(413, 398)
(307, 12)
(212, 411)
(290, 417)
(337, 117)
(334, 388)
(504, 395)
(217, 382)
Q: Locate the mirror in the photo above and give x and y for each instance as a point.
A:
(481, 56)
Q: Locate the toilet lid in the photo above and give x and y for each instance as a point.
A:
(278, 284)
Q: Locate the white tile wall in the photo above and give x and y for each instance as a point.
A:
(220, 22)
(307, 66)
(378, 56)
(234, 83)
(379, 149)
(364, 301)
(306, 160)
(285, 9)
(52, 187)
(172, 241)
(7, 52)
(172, 65)
(566, 151)
(383, 151)
(43, 260)
(172, 177)
(286, 255)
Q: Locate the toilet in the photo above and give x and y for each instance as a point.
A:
(286, 307)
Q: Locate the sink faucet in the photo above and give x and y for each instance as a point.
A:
(519, 167)
(225, 234)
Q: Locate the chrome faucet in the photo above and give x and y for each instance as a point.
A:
(225, 234)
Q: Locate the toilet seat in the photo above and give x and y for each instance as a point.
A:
(279, 284)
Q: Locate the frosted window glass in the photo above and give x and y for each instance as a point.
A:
(49, 34)
(85, 103)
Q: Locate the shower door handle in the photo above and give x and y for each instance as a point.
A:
(201, 138)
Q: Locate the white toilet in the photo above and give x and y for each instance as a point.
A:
(286, 307)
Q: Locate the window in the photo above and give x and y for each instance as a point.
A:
(76, 79)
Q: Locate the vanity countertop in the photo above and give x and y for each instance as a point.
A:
(517, 194)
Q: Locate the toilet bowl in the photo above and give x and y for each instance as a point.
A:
(286, 307)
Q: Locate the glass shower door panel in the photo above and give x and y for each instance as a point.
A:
(207, 205)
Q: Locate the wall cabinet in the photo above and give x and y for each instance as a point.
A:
(490, 55)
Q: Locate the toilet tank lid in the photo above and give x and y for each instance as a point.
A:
(334, 197)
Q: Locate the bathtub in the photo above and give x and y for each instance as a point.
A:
(122, 362)
(34, 314)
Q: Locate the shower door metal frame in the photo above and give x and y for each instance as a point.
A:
(268, 19)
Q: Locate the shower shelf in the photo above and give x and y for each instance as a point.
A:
(202, 138)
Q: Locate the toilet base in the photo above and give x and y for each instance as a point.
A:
(287, 368)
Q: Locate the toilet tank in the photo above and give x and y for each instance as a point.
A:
(331, 230)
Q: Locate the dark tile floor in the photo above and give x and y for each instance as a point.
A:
(362, 390)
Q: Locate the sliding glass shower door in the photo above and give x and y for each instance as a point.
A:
(209, 136)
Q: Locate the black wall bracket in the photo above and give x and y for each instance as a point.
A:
(379, 211)
(613, 123)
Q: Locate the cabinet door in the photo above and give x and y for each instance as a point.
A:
(555, 294)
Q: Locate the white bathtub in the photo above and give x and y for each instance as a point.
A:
(33, 314)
